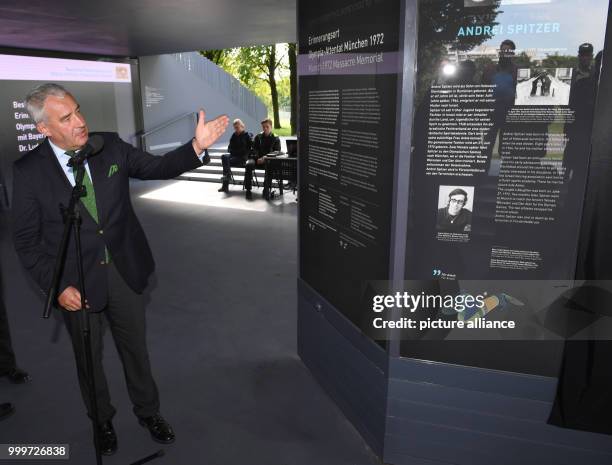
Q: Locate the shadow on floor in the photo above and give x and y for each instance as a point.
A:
(222, 335)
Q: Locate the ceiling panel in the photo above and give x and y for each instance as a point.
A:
(144, 27)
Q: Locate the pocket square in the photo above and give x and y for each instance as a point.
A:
(113, 169)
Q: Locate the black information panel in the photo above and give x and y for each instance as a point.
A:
(348, 66)
(503, 114)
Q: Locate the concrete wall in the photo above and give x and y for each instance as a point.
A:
(173, 85)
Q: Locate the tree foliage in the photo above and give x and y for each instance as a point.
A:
(261, 63)
(522, 60)
(439, 25)
(260, 69)
(560, 61)
(292, 53)
(218, 57)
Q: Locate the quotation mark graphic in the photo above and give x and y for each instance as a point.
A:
(437, 272)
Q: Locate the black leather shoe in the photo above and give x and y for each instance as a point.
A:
(6, 410)
(17, 376)
(108, 438)
(159, 428)
(249, 195)
(224, 188)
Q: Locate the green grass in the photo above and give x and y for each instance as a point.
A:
(285, 131)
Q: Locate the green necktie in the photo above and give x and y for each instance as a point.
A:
(90, 199)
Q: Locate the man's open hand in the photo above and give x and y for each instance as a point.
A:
(207, 132)
(70, 299)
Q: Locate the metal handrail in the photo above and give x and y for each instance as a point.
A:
(165, 125)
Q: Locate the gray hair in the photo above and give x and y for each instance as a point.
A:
(35, 100)
(238, 121)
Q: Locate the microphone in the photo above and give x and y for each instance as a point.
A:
(94, 144)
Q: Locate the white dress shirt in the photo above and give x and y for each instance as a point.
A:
(63, 159)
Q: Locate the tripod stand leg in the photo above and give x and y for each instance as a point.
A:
(159, 453)
(93, 398)
(86, 335)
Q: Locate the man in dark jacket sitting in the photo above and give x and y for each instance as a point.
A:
(239, 148)
(264, 143)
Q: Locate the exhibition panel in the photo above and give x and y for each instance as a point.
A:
(485, 152)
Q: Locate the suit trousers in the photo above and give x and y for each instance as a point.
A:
(7, 356)
(227, 161)
(250, 166)
(125, 315)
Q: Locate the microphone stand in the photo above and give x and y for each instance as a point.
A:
(72, 221)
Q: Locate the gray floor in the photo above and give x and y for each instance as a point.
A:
(222, 337)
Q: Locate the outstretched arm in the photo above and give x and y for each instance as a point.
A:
(143, 165)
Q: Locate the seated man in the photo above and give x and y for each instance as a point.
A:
(239, 148)
(264, 143)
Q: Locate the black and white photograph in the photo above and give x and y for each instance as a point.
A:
(543, 87)
(455, 205)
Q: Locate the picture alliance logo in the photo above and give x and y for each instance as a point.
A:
(437, 273)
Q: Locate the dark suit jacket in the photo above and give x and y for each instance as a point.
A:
(40, 186)
(460, 223)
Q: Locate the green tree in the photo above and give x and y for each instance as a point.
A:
(218, 57)
(261, 69)
(439, 24)
(560, 61)
(284, 93)
(522, 60)
(292, 52)
(261, 63)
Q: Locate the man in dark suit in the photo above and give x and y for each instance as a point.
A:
(116, 257)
